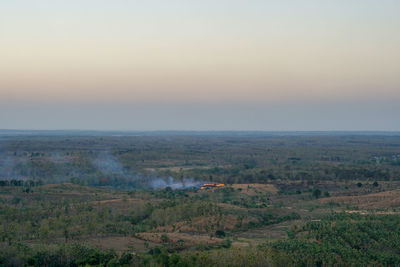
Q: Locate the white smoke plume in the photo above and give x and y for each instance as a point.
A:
(108, 164)
(160, 183)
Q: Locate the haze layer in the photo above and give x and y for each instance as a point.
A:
(201, 65)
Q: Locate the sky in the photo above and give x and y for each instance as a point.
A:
(200, 65)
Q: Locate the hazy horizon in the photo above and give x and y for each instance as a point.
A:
(202, 66)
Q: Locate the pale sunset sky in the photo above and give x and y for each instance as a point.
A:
(200, 65)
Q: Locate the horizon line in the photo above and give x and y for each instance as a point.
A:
(194, 132)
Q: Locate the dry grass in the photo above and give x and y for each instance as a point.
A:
(381, 200)
(118, 200)
(365, 212)
(230, 206)
(276, 231)
(123, 203)
(255, 189)
(204, 224)
(188, 239)
(121, 243)
(71, 188)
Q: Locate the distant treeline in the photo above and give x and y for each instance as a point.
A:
(127, 162)
(25, 183)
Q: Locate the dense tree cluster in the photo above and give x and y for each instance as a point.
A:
(345, 239)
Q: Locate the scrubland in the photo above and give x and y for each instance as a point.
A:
(136, 200)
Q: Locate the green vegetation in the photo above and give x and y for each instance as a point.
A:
(136, 201)
(129, 161)
(348, 239)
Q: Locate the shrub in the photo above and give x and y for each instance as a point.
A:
(317, 193)
(220, 233)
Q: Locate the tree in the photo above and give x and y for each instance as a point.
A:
(164, 238)
(66, 235)
(317, 193)
(220, 233)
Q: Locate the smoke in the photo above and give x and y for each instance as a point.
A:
(108, 164)
(160, 183)
(58, 158)
(7, 165)
(102, 169)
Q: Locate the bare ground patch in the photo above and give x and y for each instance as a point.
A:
(188, 239)
(255, 189)
(121, 243)
(204, 224)
(381, 200)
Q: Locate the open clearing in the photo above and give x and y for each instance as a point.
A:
(381, 200)
(121, 244)
(188, 239)
(255, 189)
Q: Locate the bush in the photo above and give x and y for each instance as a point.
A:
(317, 193)
(220, 233)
